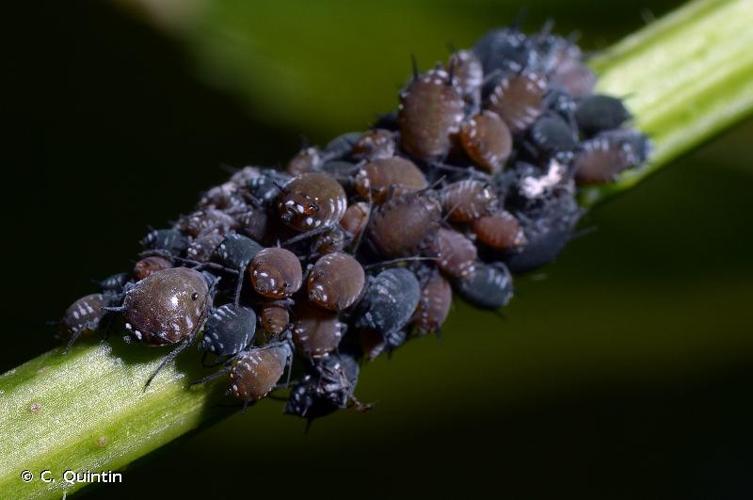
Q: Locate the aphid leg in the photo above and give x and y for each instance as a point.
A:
(168, 358)
(306, 235)
(72, 341)
(238, 288)
(116, 309)
(211, 377)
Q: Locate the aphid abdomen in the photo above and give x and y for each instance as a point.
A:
(254, 373)
(405, 224)
(434, 306)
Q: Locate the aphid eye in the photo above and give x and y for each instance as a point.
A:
(194, 296)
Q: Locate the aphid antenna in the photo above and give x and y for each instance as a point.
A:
(168, 358)
(414, 66)
(388, 263)
(451, 47)
(305, 235)
(451, 73)
(211, 376)
(547, 28)
(519, 19)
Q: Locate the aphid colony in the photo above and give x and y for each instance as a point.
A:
(302, 274)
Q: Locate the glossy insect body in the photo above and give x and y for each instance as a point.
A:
(499, 231)
(236, 251)
(115, 283)
(150, 265)
(601, 159)
(274, 318)
(203, 247)
(382, 177)
(341, 146)
(330, 241)
(254, 222)
(487, 141)
(254, 373)
(434, 305)
(207, 221)
(389, 301)
(312, 200)
(467, 200)
(264, 187)
(307, 160)
(551, 134)
(316, 332)
(456, 254)
(336, 281)
(229, 329)
(356, 219)
(518, 99)
(375, 144)
(275, 273)
(417, 217)
(504, 50)
(84, 316)
(167, 307)
(171, 241)
(489, 286)
(430, 112)
(597, 113)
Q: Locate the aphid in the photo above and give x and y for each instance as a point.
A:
(551, 134)
(468, 76)
(332, 240)
(356, 219)
(264, 188)
(341, 146)
(229, 329)
(306, 160)
(115, 283)
(504, 50)
(467, 200)
(311, 201)
(518, 99)
(236, 252)
(223, 197)
(167, 308)
(206, 221)
(598, 112)
(255, 372)
(547, 227)
(389, 301)
(336, 281)
(374, 144)
(487, 141)
(316, 332)
(150, 265)
(203, 247)
(170, 241)
(275, 273)
(254, 222)
(83, 316)
(382, 177)
(430, 112)
(456, 254)
(328, 386)
(562, 61)
(489, 286)
(405, 224)
(274, 318)
(601, 159)
(499, 231)
(434, 305)
(242, 177)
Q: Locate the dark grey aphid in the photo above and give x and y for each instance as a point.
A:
(236, 252)
(265, 187)
(389, 301)
(171, 241)
(84, 316)
(547, 228)
(489, 286)
(114, 284)
(504, 50)
(597, 113)
(229, 329)
(552, 134)
(341, 146)
(327, 387)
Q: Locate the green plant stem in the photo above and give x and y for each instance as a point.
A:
(686, 77)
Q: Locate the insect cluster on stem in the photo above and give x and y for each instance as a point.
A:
(357, 247)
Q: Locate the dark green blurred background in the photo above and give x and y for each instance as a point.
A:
(624, 371)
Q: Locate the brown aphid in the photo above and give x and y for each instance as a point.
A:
(332, 240)
(275, 273)
(575, 77)
(254, 373)
(336, 281)
(468, 75)
(601, 159)
(456, 254)
(430, 112)
(374, 144)
(316, 332)
(487, 140)
(518, 100)
(312, 200)
(150, 265)
(380, 178)
(306, 160)
(254, 222)
(167, 307)
(274, 318)
(356, 219)
(434, 306)
(405, 224)
(203, 246)
(467, 200)
(500, 231)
